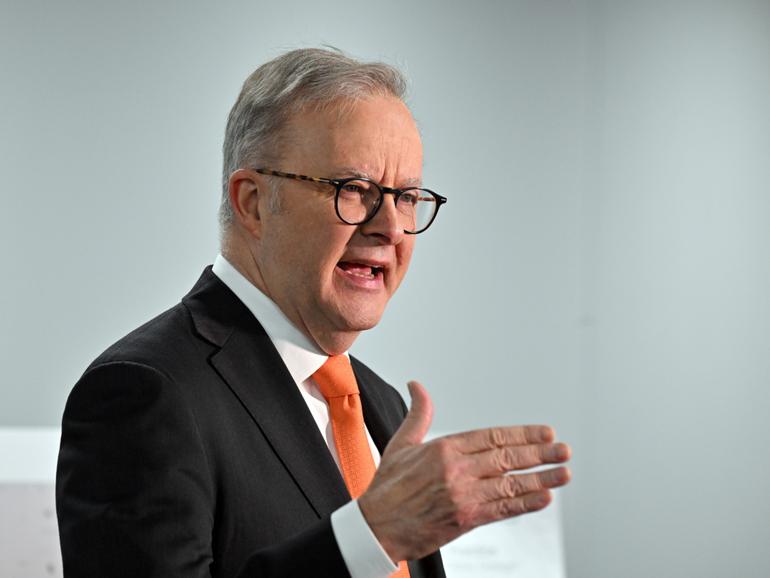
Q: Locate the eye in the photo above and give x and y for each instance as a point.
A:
(356, 190)
(409, 197)
(352, 188)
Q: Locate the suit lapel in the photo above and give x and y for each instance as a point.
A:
(253, 370)
(382, 418)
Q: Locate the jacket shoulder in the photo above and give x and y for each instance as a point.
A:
(159, 343)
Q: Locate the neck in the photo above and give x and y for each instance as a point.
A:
(333, 343)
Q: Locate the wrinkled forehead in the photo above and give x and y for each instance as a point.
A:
(373, 135)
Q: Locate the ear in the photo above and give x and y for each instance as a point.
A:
(244, 188)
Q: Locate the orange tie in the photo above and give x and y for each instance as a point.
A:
(338, 385)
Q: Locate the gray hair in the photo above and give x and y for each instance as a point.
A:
(285, 86)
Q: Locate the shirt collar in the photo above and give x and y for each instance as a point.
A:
(301, 356)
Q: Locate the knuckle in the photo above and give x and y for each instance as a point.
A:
(443, 449)
(450, 472)
(509, 508)
(536, 482)
(449, 465)
(509, 487)
(496, 437)
(531, 456)
(514, 486)
(505, 460)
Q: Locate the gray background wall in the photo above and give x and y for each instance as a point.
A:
(601, 265)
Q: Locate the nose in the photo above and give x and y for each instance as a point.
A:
(385, 225)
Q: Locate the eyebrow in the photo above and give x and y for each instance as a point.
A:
(345, 172)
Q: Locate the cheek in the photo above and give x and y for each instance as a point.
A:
(325, 249)
(404, 256)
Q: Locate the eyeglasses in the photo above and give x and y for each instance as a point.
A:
(357, 200)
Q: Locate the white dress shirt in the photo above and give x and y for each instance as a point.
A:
(363, 554)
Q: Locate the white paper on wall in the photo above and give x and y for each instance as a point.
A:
(29, 538)
(528, 546)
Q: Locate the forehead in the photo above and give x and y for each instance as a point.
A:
(376, 137)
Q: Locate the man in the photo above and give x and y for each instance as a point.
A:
(227, 436)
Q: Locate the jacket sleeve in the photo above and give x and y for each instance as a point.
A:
(135, 494)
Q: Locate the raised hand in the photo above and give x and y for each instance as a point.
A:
(427, 494)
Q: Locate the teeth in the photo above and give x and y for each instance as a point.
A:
(362, 269)
(364, 275)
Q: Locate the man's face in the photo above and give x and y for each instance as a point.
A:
(315, 267)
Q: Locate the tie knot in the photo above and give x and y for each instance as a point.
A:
(335, 377)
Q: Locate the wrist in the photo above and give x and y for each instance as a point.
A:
(379, 530)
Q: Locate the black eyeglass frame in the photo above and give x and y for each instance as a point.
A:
(339, 183)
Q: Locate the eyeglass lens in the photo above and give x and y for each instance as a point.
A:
(357, 200)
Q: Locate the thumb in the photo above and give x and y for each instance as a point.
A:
(417, 421)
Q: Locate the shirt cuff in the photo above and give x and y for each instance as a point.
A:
(362, 552)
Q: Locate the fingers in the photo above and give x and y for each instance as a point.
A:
(417, 421)
(509, 496)
(441, 489)
(510, 507)
(513, 486)
(498, 437)
(500, 460)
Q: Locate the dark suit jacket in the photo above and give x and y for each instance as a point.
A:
(188, 451)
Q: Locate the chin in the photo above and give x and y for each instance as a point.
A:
(358, 319)
(361, 323)
(352, 310)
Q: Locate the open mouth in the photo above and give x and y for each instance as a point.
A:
(361, 269)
